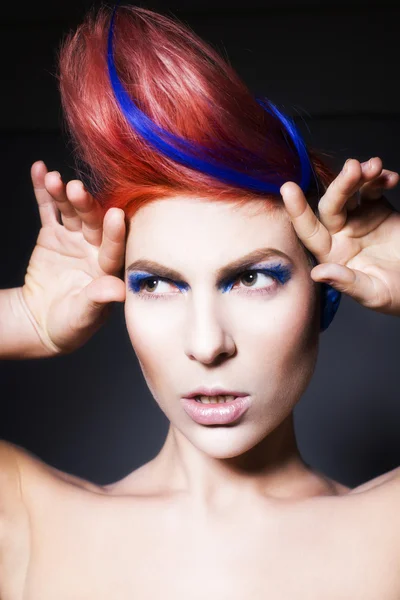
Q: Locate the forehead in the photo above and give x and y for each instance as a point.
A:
(197, 238)
(186, 229)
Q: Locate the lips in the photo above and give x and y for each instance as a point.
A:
(215, 391)
(216, 414)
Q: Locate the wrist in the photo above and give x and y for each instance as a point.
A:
(20, 335)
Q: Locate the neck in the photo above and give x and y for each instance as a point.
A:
(273, 468)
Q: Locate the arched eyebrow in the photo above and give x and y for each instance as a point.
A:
(222, 273)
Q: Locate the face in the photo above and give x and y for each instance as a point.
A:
(193, 320)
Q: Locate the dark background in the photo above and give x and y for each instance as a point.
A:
(331, 65)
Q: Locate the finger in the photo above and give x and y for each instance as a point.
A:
(309, 229)
(89, 211)
(112, 249)
(353, 202)
(372, 190)
(57, 189)
(92, 304)
(47, 209)
(367, 290)
(332, 207)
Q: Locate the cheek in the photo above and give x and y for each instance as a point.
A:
(288, 319)
(152, 324)
(298, 324)
(280, 340)
(152, 335)
(300, 342)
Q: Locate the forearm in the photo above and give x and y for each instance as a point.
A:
(19, 337)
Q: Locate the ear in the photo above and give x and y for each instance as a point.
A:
(330, 300)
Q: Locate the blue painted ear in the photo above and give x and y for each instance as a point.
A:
(330, 300)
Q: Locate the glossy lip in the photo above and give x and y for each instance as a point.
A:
(215, 391)
(216, 414)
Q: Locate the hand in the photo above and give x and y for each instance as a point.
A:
(356, 244)
(72, 274)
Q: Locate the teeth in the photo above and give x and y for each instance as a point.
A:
(214, 399)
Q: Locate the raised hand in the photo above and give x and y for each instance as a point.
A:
(74, 272)
(356, 235)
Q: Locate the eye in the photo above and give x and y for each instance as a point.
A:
(256, 279)
(146, 285)
(249, 277)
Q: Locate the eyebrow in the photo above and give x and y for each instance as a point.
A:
(222, 273)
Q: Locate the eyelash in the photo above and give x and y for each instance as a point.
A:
(136, 285)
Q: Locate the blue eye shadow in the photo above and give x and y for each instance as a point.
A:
(280, 272)
(135, 279)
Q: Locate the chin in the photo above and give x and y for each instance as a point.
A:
(225, 441)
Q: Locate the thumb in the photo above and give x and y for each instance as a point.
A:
(354, 283)
(93, 302)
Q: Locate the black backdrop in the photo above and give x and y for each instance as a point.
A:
(331, 65)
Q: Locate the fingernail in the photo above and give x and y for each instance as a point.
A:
(345, 167)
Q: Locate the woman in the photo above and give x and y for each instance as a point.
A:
(223, 294)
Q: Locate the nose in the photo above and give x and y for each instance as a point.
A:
(208, 340)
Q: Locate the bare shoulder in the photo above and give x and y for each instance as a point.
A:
(377, 503)
(388, 483)
(11, 497)
(32, 473)
(25, 480)
(14, 524)
(9, 476)
(381, 498)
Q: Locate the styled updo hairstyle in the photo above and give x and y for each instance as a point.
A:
(153, 112)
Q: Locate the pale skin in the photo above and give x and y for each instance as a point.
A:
(239, 499)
